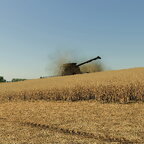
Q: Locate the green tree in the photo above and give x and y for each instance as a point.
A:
(2, 79)
(17, 79)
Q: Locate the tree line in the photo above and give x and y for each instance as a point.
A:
(13, 80)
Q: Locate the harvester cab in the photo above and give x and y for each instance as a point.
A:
(74, 68)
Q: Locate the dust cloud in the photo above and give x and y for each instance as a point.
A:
(96, 66)
(58, 58)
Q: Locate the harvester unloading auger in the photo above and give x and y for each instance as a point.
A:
(74, 68)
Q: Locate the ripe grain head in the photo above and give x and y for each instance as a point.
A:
(109, 86)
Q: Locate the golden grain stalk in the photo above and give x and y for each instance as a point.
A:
(109, 86)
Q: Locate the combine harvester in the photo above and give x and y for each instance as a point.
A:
(74, 68)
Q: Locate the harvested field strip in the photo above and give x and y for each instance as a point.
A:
(83, 119)
(103, 137)
(80, 133)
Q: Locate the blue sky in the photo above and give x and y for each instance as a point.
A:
(33, 32)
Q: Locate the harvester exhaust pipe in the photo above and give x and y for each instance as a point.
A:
(98, 57)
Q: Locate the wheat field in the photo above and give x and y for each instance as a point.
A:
(120, 86)
(97, 108)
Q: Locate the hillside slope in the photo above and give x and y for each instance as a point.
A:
(51, 111)
(109, 86)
